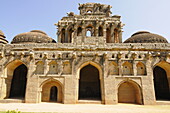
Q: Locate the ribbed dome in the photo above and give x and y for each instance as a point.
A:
(2, 38)
(145, 37)
(34, 36)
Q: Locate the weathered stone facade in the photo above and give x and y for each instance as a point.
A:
(89, 62)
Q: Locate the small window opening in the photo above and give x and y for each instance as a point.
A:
(53, 56)
(113, 56)
(79, 31)
(89, 11)
(88, 34)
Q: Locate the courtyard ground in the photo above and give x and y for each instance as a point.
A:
(85, 108)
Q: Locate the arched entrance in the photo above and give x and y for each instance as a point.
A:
(89, 83)
(161, 84)
(51, 91)
(53, 94)
(129, 92)
(19, 81)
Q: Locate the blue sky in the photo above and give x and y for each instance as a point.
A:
(18, 16)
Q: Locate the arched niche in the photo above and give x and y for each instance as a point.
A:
(113, 68)
(79, 31)
(116, 35)
(53, 67)
(127, 68)
(89, 31)
(108, 35)
(100, 31)
(63, 36)
(51, 91)
(39, 67)
(70, 35)
(141, 68)
(129, 92)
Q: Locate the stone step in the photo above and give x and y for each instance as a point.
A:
(12, 101)
(162, 102)
(89, 102)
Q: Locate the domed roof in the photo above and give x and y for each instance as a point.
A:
(2, 38)
(145, 37)
(34, 36)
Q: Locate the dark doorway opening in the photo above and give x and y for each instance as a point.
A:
(53, 94)
(161, 84)
(89, 83)
(19, 81)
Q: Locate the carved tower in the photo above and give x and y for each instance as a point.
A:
(94, 25)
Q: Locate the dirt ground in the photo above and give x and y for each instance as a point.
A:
(84, 108)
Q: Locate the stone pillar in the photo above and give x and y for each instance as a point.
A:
(120, 67)
(148, 85)
(70, 90)
(112, 34)
(59, 35)
(83, 34)
(134, 68)
(108, 91)
(104, 34)
(3, 88)
(74, 34)
(120, 36)
(119, 64)
(97, 35)
(31, 95)
(46, 66)
(66, 36)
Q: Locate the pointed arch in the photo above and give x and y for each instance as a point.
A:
(70, 35)
(141, 68)
(47, 94)
(11, 66)
(92, 65)
(89, 83)
(127, 68)
(79, 31)
(129, 92)
(108, 35)
(89, 31)
(19, 81)
(116, 35)
(100, 31)
(63, 36)
(16, 73)
(161, 73)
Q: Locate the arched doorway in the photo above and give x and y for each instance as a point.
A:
(53, 94)
(19, 81)
(161, 84)
(129, 92)
(89, 83)
(51, 91)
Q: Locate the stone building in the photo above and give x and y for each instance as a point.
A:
(89, 63)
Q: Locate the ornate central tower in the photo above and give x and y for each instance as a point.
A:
(94, 25)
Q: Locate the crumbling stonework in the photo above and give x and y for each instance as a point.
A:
(89, 62)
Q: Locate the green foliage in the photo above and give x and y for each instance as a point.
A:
(13, 111)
